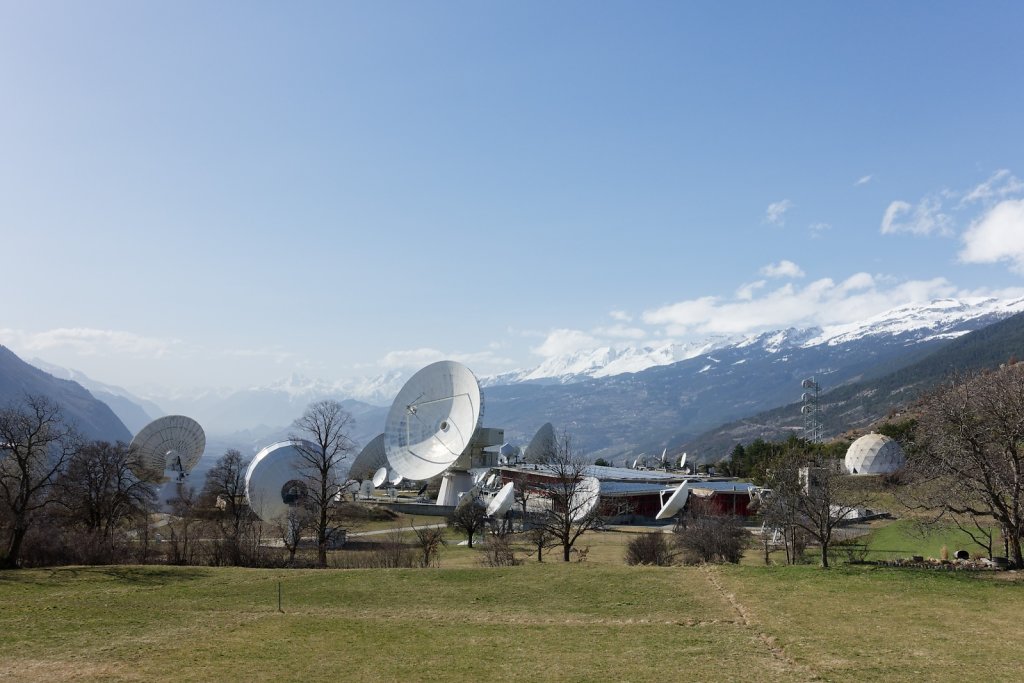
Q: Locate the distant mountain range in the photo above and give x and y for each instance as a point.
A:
(858, 404)
(93, 418)
(617, 402)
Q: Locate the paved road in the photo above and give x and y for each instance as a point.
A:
(378, 532)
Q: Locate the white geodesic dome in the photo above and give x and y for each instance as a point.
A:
(874, 454)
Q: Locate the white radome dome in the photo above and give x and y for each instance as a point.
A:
(874, 454)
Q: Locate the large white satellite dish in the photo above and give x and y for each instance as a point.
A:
(542, 446)
(432, 420)
(379, 476)
(675, 502)
(274, 481)
(173, 442)
(369, 460)
(502, 501)
(584, 498)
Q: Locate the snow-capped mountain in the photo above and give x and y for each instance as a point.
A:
(606, 362)
(942, 318)
(939, 319)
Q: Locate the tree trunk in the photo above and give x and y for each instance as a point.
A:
(824, 555)
(566, 549)
(13, 558)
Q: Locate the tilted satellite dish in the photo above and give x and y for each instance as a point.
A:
(379, 476)
(675, 502)
(432, 420)
(369, 460)
(274, 481)
(542, 446)
(394, 478)
(682, 461)
(502, 501)
(584, 498)
(664, 455)
(171, 443)
(490, 479)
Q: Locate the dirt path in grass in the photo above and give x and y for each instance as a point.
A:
(750, 623)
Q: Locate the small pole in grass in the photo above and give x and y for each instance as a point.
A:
(279, 597)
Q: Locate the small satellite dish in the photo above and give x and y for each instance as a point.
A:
(394, 478)
(274, 481)
(584, 498)
(172, 443)
(675, 502)
(490, 479)
(664, 454)
(369, 460)
(379, 476)
(502, 501)
(682, 461)
(542, 446)
(432, 420)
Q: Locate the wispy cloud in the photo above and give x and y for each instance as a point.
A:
(417, 358)
(863, 180)
(776, 212)
(783, 268)
(621, 316)
(1001, 184)
(927, 217)
(818, 229)
(997, 236)
(85, 341)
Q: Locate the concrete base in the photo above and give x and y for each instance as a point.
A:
(453, 484)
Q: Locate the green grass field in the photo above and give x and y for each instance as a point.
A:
(596, 621)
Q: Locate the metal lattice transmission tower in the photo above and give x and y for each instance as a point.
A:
(812, 424)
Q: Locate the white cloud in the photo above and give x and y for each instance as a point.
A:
(621, 332)
(776, 212)
(1001, 184)
(926, 218)
(822, 302)
(85, 341)
(621, 316)
(746, 291)
(997, 236)
(818, 228)
(782, 269)
(863, 180)
(564, 341)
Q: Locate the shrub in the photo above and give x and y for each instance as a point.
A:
(704, 536)
(650, 548)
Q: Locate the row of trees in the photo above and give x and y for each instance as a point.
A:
(63, 499)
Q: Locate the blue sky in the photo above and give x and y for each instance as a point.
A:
(198, 194)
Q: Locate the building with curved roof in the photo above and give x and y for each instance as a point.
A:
(874, 454)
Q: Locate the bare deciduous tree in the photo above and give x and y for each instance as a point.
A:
(573, 508)
(99, 491)
(324, 442)
(35, 445)
(969, 457)
(810, 494)
(224, 491)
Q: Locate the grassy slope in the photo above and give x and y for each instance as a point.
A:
(595, 621)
